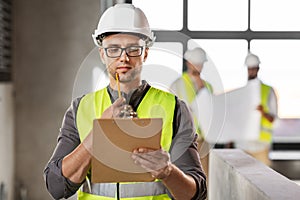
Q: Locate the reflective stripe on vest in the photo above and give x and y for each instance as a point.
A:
(136, 191)
(266, 126)
(93, 105)
(87, 196)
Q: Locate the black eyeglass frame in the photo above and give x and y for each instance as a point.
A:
(126, 49)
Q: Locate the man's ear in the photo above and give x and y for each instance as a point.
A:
(146, 54)
(101, 52)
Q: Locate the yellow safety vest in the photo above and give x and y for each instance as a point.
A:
(191, 95)
(190, 89)
(156, 103)
(266, 126)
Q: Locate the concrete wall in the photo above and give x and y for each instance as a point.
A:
(235, 175)
(51, 38)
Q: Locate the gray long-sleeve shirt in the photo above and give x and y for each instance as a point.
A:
(183, 149)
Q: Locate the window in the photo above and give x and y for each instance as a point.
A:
(165, 58)
(167, 16)
(228, 59)
(222, 28)
(280, 68)
(270, 15)
(229, 15)
(5, 40)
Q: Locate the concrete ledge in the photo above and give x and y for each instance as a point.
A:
(233, 174)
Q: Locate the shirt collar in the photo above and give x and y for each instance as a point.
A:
(136, 92)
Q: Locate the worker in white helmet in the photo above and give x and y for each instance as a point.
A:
(268, 105)
(124, 37)
(191, 82)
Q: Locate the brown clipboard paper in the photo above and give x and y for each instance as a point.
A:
(113, 143)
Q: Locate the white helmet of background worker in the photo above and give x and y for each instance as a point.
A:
(196, 56)
(252, 60)
(123, 18)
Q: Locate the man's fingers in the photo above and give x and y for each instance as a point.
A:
(119, 102)
(115, 109)
(117, 106)
(157, 162)
(142, 160)
(155, 157)
(153, 160)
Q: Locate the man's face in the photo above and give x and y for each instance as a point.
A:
(252, 73)
(128, 68)
(195, 68)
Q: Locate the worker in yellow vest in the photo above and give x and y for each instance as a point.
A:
(268, 105)
(123, 36)
(191, 83)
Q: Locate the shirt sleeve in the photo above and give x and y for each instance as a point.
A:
(183, 151)
(68, 139)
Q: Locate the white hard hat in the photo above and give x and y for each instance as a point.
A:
(123, 18)
(195, 56)
(252, 61)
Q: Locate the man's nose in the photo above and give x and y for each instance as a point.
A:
(124, 55)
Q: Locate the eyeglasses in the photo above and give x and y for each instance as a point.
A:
(132, 51)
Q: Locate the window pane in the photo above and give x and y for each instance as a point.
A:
(213, 15)
(228, 57)
(163, 65)
(280, 68)
(270, 15)
(167, 16)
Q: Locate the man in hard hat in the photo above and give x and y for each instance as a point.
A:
(124, 37)
(268, 99)
(191, 83)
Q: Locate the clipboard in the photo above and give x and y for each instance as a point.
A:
(113, 143)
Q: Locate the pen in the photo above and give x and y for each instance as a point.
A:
(118, 83)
